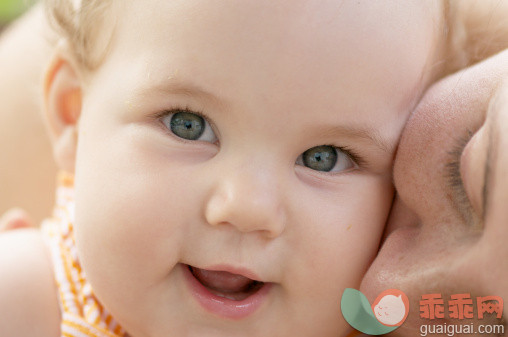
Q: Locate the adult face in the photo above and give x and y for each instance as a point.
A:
(448, 228)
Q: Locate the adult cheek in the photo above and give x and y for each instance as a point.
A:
(429, 249)
(424, 230)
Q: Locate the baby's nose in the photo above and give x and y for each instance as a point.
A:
(249, 199)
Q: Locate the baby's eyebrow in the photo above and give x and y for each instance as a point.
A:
(370, 134)
(177, 87)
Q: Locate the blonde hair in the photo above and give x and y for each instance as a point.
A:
(82, 24)
(474, 30)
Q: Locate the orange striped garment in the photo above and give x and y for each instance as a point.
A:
(82, 314)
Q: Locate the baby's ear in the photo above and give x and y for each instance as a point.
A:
(62, 107)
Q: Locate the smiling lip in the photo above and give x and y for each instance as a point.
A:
(222, 306)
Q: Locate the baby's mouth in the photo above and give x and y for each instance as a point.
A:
(227, 285)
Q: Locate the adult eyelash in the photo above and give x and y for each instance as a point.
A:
(452, 173)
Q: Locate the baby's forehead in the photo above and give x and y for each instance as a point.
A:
(292, 25)
(349, 51)
(358, 43)
(90, 24)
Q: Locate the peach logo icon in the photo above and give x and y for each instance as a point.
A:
(391, 307)
(387, 312)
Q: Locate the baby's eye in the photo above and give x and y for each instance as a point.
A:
(190, 126)
(326, 158)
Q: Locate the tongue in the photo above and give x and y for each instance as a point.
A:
(222, 281)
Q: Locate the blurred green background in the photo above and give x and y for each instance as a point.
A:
(11, 9)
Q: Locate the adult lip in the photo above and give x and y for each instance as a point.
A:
(227, 304)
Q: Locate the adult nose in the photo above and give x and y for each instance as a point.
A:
(248, 196)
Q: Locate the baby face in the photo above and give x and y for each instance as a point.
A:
(233, 169)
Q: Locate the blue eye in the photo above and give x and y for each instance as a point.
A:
(190, 126)
(326, 158)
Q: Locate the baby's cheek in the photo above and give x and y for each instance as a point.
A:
(347, 238)
(368, 209)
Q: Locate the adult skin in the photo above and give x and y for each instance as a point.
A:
(447, 234)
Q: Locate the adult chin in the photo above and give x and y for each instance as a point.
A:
(419, 262)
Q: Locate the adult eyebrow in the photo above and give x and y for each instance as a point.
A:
(492, 155)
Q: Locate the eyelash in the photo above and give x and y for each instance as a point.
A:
(452, 167)
(157, 116)
(181, 109)
(357, 159)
